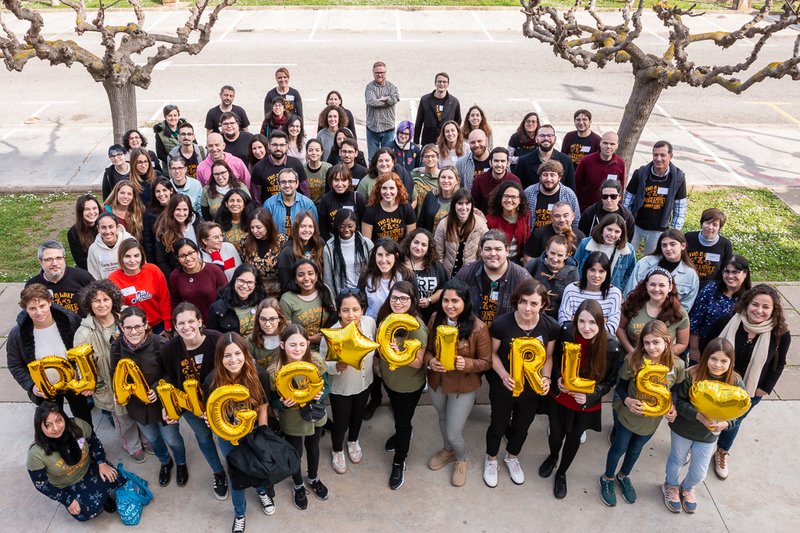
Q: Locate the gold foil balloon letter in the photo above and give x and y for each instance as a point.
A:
(719, 401)
(528, 357)
(175, 400)
(129, 381)
(570, 364)
(385, 338)
(300, 381)
(652, 387)
(217, 417)
(446, 346)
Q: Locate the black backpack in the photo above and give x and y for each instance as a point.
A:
(262, 458)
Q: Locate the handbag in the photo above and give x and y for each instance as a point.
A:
(131, 497)
(262, 457)
(312, 411)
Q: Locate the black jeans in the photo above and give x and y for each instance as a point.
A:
(520, 411)
(312, 454)
(403, 406)
(348, 414)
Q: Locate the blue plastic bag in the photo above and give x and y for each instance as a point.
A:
(132, 497)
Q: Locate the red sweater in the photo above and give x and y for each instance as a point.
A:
(566, 399)
(593, 171)
(201, 288)
(148, 291)
(521, 229)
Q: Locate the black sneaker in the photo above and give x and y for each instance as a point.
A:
(397, 478)
(238, 524)
(182, 475)
(370, 409)
(165, 474)
(300, 499)
(547, 467)
(110, 505)
(220, 486)
(320, 490)
(391, 443)
(560, 486)
(267, 504)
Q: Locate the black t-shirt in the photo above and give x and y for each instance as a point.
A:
(240, 146)
(358, 172)
(537, 242)
(429, 281)
(293, 102)
(214, 115)
(481, 166)
(265, 176)
(389, 224)
(544, 204)
(65, 291)
(331, 203)
(505, 329)
(577, 147)
(491, 293)
(655, 196)
(707, 259)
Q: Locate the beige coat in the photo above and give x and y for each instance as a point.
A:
(447, 250)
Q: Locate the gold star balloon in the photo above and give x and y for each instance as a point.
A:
(348, 345)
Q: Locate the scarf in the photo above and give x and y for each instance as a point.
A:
(760, 350)
(279, 121)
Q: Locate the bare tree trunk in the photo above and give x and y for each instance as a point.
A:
(122, 101)
(641, 102)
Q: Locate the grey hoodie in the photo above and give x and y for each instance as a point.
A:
(102, 260)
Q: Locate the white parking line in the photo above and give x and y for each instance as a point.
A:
(315, 26)
(657, 36)
(481, 27)
(704, 147)
(214, 65)
(233, 27)
(397, 25)
(543, 118)
(14, 130)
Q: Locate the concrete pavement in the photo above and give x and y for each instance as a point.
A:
(754, 498)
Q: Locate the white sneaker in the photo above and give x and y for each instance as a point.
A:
(354, 452)
(338, 463)
(490, 469)
(583, 437)
(514, 469)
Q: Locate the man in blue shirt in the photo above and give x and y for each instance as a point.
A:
(288, 203)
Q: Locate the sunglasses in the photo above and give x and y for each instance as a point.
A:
(609, 196)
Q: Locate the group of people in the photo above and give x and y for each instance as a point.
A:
(231, 267)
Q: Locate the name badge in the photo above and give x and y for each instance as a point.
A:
(714, 258)
(289, 97)
(128, 291)
(663, 190)
(550, 207)
(198, 359)
(350, 207)
(585, 149)
(494, 295)
(612, 177)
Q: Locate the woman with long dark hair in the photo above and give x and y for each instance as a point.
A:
(437, 203)
(297, 137)
(261, 248)
(256, 151)
(384, 268)
(143, 173)
(304, 243)
(611, 238)
(334, 98)
(124, 203)
(139, 344)
(421, 257)
(594, 284)
(233, 365)
(264, 343)
(475, 119)
(307, 300)
(761, 338)
(233, 217)
(457, 237)
(451, 144)
(222, 181)
(178, 221)
(67, 463)
(160, 195)
(346, 253)
(572, 413)
(453, 392)
(523, 141)
(83, 233)
(340, 195)
(316, 170)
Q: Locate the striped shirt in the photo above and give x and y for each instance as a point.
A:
(611, 304)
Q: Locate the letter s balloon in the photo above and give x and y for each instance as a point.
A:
(570, 363)
(719, 401)
(385, 338)
(218, 419)
(528, 357)
(651, 384)
(309, 381)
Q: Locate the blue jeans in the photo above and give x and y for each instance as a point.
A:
(698, 467)
(205, 441)
(377, 140)
(237, 495)
(727, 437)
(161, 436)
(646, 236)
(626, 443)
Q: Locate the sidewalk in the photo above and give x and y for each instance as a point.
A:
(752, 499)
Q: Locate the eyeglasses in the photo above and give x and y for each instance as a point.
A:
(277, 145)
(229, 123)
(546, 136)
(245, 283)
(220, 174)
(116, 154)
(177, 168)
(143, 162)
(510, 197)
(400, 299)
(186, 134)
(287, 182)
(268, 320)
(131, 329)
(609, 196)
(49, 260)
(404, 133)
(181, 257)
(379, 72)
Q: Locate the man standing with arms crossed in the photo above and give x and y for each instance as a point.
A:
(381, 96)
